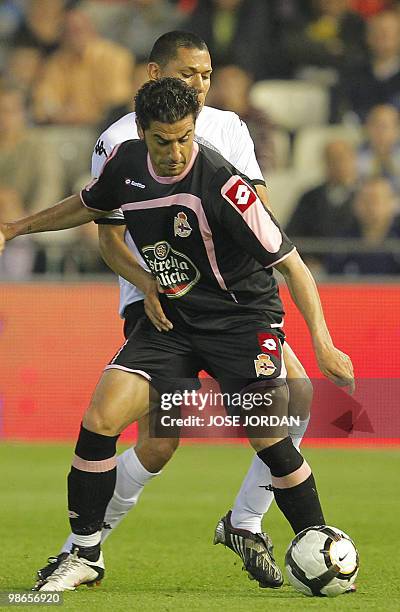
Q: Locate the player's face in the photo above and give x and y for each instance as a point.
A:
(170, 145)
(190, 65)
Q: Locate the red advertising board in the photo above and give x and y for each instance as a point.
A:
(56, 338)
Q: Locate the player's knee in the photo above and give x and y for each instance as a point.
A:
(267, 422)
(300, 396)
(260, 443)
(154, 453)
(164, 448)
(100, 423)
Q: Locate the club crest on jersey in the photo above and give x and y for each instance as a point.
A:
(238, 193)
(264, 365)
(181, 225)
(175, 271)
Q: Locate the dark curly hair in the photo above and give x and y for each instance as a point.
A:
(165, 100)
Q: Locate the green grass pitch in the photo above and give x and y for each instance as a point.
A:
(162, 559)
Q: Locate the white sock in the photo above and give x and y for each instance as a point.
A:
(255, 495)
(131, 478)
(86, 540)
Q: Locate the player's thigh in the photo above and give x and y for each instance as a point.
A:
(294, 367)
(123, 393)
(245, 355)
(249, 355)
(300, 386)
(120, 398)
(266, 424)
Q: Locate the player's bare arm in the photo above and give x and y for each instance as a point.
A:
(262, 193)
(64, 215)
(332, 362)
(2, 242)
(121, 260)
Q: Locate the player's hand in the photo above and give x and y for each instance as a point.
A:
(7, 232)
(336, 366)
(153, 309)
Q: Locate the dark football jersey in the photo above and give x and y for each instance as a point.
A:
(204, 234)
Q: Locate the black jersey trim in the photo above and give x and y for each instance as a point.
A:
(280, 259)
(98, 210)
(105, 221)
(258, 182)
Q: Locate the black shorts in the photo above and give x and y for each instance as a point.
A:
(132, 314)
(251, 353)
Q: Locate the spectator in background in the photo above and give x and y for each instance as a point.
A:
(375, 222)
(379, 155)
(10, 18)
(22, 70)
(85, 78)
(34, 185)
(134, 23)
(42, 26)
(325, 210)
(140, 77)
(236, 32)
(25, 185)
(230, 91)
(334, 35)
(376, 80)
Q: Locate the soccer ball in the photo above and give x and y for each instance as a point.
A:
(322, 561)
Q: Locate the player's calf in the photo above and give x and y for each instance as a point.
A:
(293, 484)
(153, 452)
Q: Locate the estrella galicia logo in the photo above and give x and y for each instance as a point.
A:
(99, 148)
(176, 273)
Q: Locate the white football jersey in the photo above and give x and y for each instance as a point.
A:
(220, 130)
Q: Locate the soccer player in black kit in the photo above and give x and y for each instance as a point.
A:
(211, 245)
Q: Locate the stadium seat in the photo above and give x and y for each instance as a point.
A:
(281, 141)
(284, 189)
(292, 104)
(309, 145)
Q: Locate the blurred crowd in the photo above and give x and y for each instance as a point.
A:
(316, 81)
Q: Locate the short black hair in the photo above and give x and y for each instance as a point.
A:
(167, 100)
(165, 48)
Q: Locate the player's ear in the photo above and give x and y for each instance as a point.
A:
(154, 71)
(140, 130)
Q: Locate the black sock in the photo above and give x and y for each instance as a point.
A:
(300, 504)
(91, 481)
(88, 552)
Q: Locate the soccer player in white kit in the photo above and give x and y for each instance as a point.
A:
(184, 55)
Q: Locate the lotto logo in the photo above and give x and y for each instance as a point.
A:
(269, 344)
(240, 195)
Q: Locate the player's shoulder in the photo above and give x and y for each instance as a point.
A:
(121, 130)
(129, 151)
(225, 118)
(219, 169)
